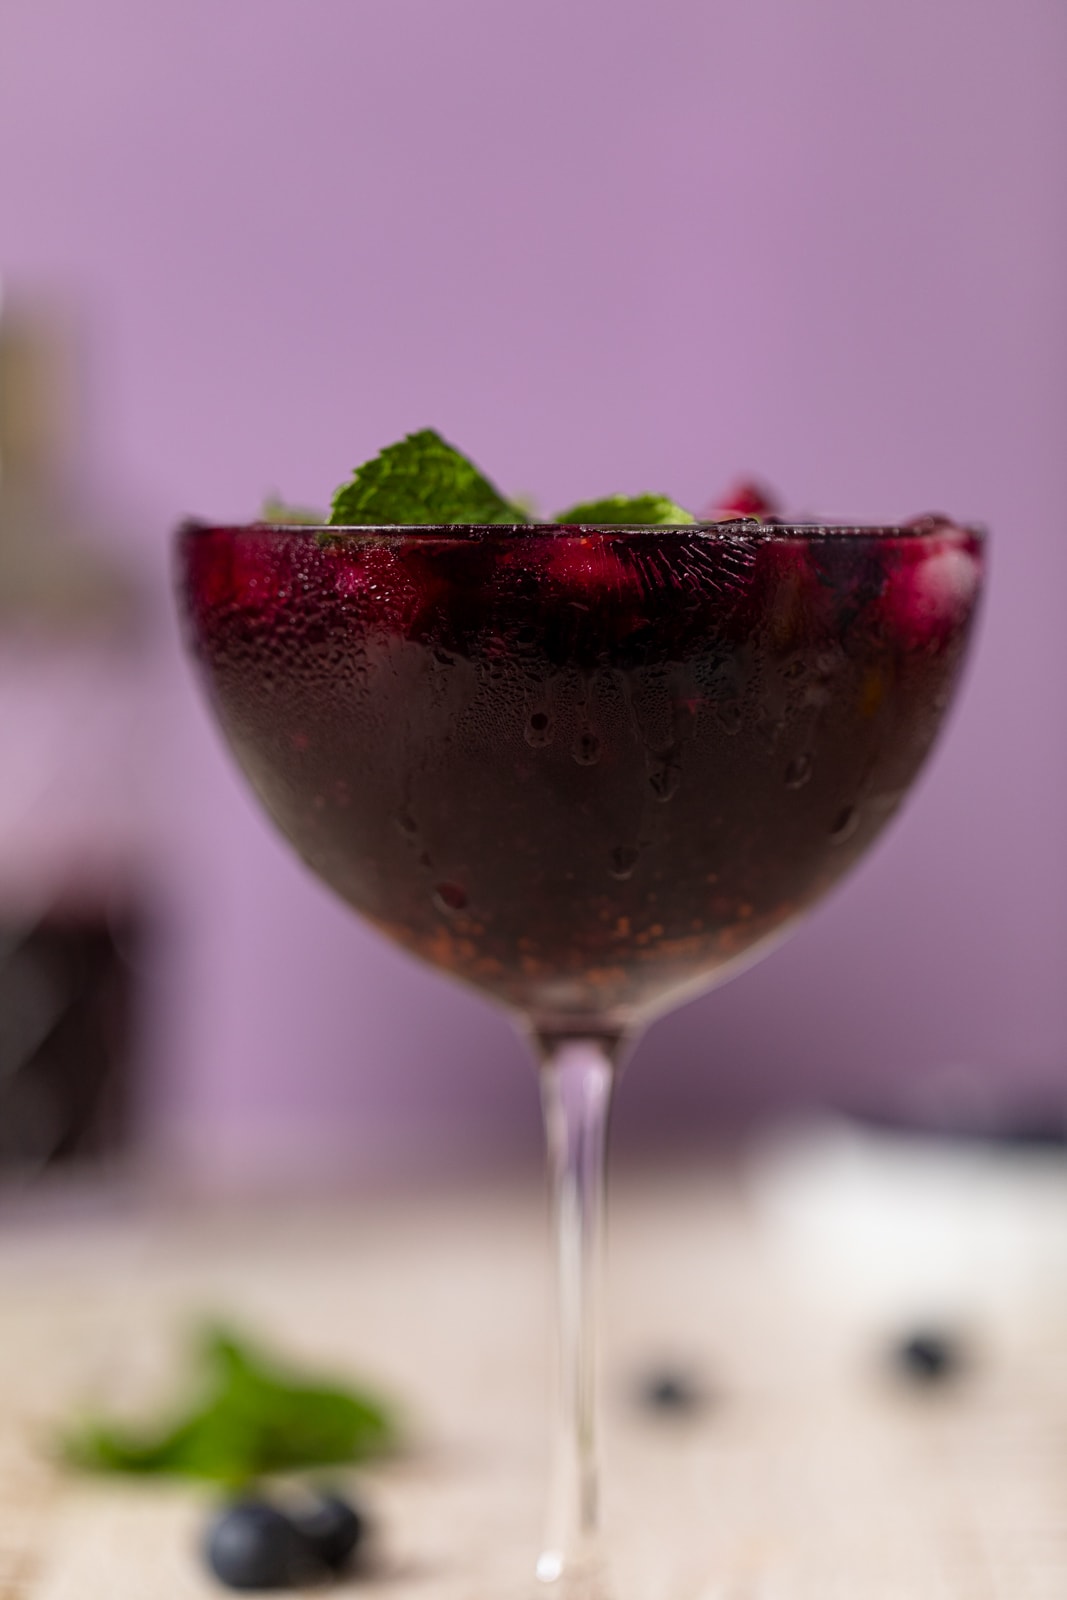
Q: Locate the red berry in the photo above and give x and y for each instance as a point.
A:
(591, 562)
(252, 572)
(745, 499)
(931, 587)
(794, 597)
(376, 580)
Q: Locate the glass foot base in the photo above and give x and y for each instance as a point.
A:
(575, 1577)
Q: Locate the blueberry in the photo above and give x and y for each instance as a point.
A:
(670, 1391)
(252, 1545)
(928, 1356)
(334, 1529)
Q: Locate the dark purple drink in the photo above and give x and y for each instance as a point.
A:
(585, 770)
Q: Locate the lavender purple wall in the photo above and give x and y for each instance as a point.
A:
(604, 244)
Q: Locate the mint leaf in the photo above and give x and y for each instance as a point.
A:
(278, 511)
(421, 479)
(256, 1418)
(647, 510)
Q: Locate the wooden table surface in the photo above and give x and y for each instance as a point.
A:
(811, 1473)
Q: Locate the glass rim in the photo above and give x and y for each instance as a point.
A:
(733, 528)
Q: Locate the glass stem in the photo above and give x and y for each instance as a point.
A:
(577, 1076)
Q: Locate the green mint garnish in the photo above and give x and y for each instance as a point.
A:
(255, 1418)
(278, 511)
(646, 510)
(421, 479)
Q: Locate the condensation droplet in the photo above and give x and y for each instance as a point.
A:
(798, 772)
(586, 749)
(665, 777)
(770, 728)
(538, 730)
(729, 715)
(623, 861)
(885, 802)
(845, 824)
(407, 824)
(450, 896)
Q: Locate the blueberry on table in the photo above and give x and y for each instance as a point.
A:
(670, 1392)
(928, 1356)
(333, 1528)
(253, 1545)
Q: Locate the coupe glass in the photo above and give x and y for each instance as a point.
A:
(589, 770)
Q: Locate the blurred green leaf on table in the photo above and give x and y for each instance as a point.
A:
(255, 1418)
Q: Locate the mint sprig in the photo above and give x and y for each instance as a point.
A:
(279, 512)
(254, 1418)
(421, 479)
(644, 510)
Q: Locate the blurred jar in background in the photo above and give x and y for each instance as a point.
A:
(74, 778)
